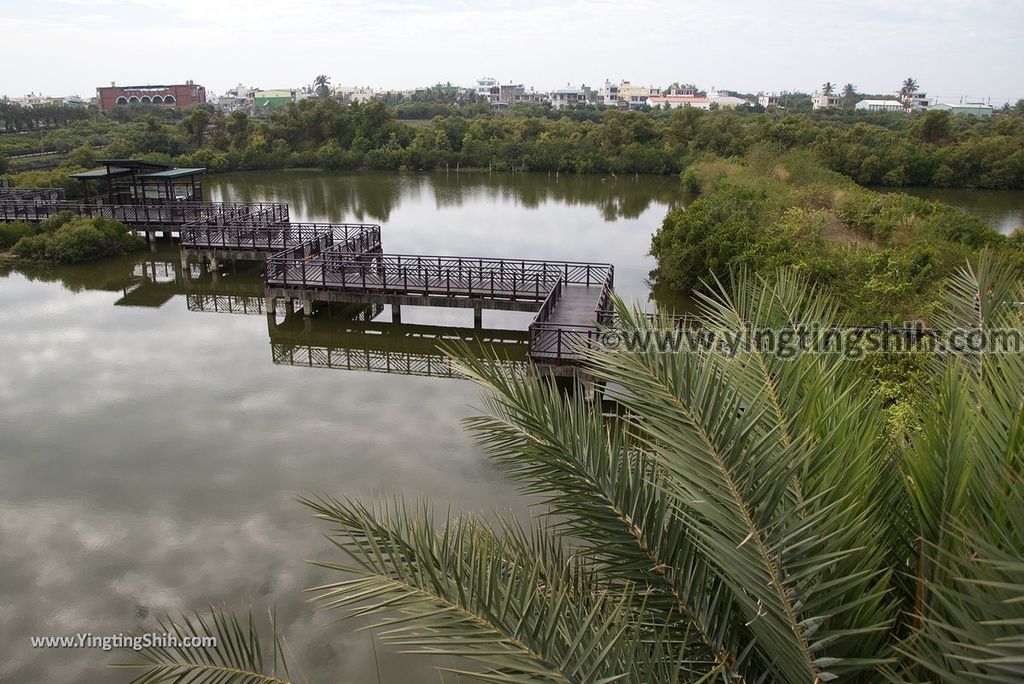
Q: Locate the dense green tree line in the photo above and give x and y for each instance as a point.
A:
(933, 148)
(884, 251)
(17, 118)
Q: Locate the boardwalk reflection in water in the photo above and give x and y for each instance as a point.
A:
(338, 336)
(151, 451)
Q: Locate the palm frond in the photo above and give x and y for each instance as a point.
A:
(607, 495)
(801, 568)
(973, 629)
(461, 589)
(238, 654)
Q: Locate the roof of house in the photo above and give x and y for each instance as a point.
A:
(966, 105)
(729, 99)
(881, 102)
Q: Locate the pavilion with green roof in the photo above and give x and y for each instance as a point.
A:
(138, 181)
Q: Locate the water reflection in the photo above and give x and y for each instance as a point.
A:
(368, 196)
(1001, 209)
(346, 337)
(150, 452)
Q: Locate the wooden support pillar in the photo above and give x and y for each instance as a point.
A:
(307, 307)
(270, 304)
(396, 313)
(478, 317)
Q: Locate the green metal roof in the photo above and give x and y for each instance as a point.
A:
(101, 173)
(174, 173)
(135, 162)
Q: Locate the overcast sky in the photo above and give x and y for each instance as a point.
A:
(954, 48)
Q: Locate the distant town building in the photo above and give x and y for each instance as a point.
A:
(626, 95)
(879, 106)
(825, 101)
(676, 90)
(567, 97)
(769, 101)
(915, 102)
(726, 100)
(353, 93)
(233, 99)
(609, 94)
(484, 86)
(33, 100)
(516, 93)
(970, 108)
(262, 102)
(181, 95)
(677, 101)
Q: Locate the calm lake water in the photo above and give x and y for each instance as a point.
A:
(1001, 209)
(151, 450)
(152, 445)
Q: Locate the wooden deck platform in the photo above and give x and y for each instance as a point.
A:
(567, 296)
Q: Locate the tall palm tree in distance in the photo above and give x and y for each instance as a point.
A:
(849, 94)
(321, 85)
(908, 88)
(827, 88)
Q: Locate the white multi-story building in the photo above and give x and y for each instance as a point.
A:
(915, 102)
(769, 101)
(627, 95)
(879, 106)
(567, 97)
(485, 85)
(825, 100)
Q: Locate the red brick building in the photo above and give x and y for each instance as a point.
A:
(182, 95)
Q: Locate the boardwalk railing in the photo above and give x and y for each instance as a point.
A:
(168, 214)
(31, 195)
(562, 343)
(243, 215)
(277, 237)
(375, 360)
(434, 276)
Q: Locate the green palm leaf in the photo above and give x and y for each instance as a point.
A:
(518, 607)
(237, 658)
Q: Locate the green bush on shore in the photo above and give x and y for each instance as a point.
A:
(13, 231)
(74, 240)
(884, 251)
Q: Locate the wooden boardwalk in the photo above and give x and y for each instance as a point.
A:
(144, 217)
(345, 263)
(568, 297)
